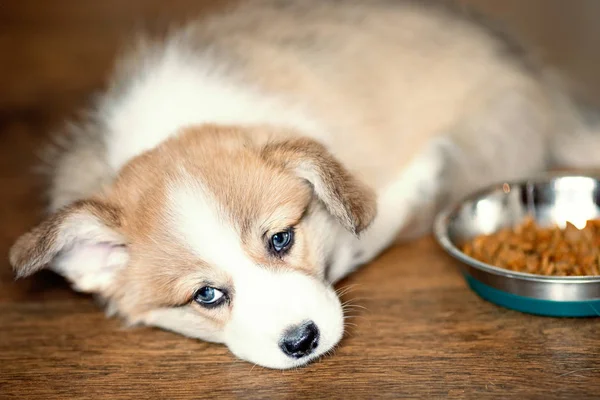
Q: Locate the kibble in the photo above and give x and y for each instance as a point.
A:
(538, 250)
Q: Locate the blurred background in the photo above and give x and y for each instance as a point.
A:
(55, 52)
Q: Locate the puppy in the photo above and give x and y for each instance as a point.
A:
(237, 168)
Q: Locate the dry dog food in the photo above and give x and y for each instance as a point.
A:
(530, 248)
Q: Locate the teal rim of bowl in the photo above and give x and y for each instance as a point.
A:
(529, 305)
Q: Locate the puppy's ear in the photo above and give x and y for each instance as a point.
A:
(344, 196)
(80, 242)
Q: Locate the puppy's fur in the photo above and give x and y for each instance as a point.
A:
(349, 121)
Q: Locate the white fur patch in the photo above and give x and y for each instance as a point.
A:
(266, 302)
(178, 89)
(200, 224)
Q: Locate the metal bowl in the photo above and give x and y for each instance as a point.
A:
(549, 199)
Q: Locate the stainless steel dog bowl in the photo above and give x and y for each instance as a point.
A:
(550, 199)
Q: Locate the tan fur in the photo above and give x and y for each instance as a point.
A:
(380, 73)
(346, 197)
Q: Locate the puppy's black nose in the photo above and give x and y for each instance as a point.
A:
(301, 340)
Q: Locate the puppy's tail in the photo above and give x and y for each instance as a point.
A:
(576, 139)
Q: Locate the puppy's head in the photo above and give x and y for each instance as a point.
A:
(215, 236)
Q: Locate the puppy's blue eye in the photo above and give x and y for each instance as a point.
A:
(282, 240)
(208, 296)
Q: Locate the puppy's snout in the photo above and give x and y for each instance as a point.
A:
(301, 340)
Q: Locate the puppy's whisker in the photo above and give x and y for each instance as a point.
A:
(356, 318)
(352, 314)
(349, 302)
(362, 298)
(345, 290)
(347, 306)
(354, 310)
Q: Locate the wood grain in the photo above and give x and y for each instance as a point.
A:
(419, 331)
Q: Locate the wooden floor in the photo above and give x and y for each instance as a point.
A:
(422, 333)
